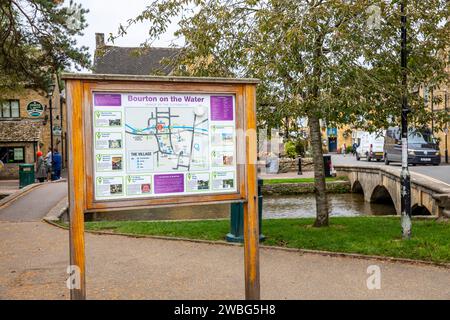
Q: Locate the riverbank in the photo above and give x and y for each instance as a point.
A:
(293, 186)
(376, 236)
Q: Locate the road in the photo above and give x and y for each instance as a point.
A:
(441, 173)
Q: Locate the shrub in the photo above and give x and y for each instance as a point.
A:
(290, 149)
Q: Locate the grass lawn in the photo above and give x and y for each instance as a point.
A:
(365, 235)
(301, 180)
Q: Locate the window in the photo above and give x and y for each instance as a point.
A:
(12, 154)
(10, 109)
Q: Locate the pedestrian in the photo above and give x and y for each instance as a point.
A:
(344, 149)
(57, 164)
(48, 162)
(41, 167)
(354, 147)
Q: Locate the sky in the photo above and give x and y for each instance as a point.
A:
(105, 16)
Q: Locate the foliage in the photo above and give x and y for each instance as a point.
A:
(37, 41)
(377, 82)
(290, 149)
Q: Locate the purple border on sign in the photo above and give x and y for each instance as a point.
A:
(107, 99)
(221, 108)
(168, 183)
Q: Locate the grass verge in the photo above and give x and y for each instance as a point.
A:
(363, 235)
(301, 180)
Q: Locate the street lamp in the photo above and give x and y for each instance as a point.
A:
(50, 90)
(405, 176)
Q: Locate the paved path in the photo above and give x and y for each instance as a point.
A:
(34, 258)
(287, 175)
(34, 205)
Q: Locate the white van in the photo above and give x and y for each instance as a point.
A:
(370, 146)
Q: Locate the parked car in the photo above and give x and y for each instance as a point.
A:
(371, 146)
(422, 147)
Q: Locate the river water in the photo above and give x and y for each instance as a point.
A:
(297, 206)
(304, 205)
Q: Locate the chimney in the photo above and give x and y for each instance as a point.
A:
(99, 40)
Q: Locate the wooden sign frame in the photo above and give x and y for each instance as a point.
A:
(80, 89)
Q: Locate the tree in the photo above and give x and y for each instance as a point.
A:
(37, 41)
(314, 57)
(379, 82)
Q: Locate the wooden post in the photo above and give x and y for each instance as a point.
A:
(76, 188)
(80, 89)
(251, 224)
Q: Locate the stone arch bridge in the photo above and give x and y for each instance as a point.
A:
(381, 183)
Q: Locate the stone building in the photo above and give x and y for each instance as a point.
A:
(437, 100)
(25, 128)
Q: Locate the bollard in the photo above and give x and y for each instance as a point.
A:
(260, 208)
(236, 233)
(299, 172)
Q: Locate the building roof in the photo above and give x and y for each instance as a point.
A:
(125, 60)
(13, 130)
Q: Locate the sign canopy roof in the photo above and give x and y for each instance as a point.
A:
(117, 77)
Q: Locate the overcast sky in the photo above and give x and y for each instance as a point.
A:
(105, 16)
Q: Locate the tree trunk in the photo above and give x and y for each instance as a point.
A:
(319, 172)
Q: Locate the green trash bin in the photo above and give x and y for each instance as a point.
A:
(26, 174)
(236, 233)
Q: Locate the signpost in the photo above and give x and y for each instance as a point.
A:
(141, 142)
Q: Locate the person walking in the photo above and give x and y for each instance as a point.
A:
(41, 167)
(57, 164)
(344, 149)
(354, 147)
(48, 162)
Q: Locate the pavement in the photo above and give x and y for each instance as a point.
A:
(34, 258)
(287, 175)
(8, 187)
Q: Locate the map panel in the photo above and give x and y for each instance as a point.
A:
(163, 144)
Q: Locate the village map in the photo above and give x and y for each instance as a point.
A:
(163, 144)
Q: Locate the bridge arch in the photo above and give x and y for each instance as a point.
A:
(418, 210)
(357, 187)
(380, 194)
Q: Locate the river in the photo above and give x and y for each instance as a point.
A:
(298, 206)
(304, 205)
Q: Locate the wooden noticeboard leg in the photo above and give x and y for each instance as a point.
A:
(251, 223)
(76, 279)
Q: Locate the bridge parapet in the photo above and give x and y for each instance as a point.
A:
(379, 182)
